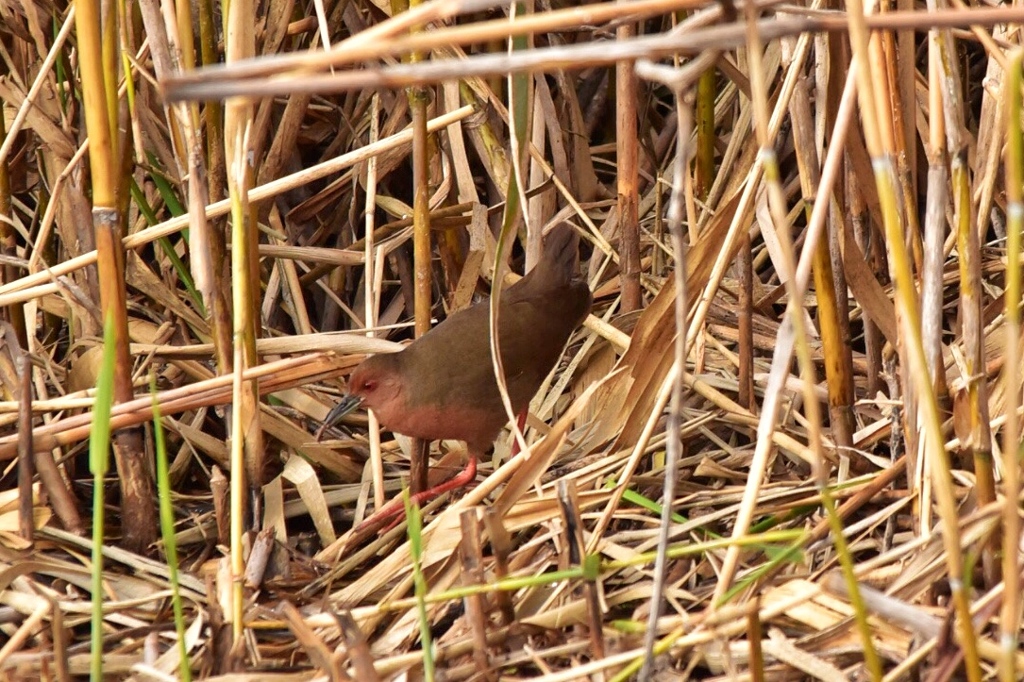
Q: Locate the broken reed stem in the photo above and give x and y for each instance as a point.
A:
(501, 546)
(627, 175)
(472, 560)
(569, 504)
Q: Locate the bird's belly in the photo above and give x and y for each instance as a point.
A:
(477, 427)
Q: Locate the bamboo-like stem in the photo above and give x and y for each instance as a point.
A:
(26, 462)
(212, 111)
(372, 276)
(627, 175)
(421, 213)
(704, 158)
(422, 258)
(422, 248)
(392, 37)
(395, 37)
(99, 71)
(894, 126)
(206, 237)
(211, 234)
(247, 454)
(186, 48)
(862, 239)
(971, 408)
(976, 440)
(1009, 617)
(931, 286)
(935, 219)
(835, 347)
(745, 395)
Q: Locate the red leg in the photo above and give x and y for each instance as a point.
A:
(397, 508)
(463, 478)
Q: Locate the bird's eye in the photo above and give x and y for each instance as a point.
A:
(369, 385)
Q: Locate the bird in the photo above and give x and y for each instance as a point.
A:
(442, 385)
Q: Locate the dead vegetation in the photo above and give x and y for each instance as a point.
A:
(844, 431)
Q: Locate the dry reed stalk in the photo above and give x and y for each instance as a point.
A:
(331, 208)
(97, 41)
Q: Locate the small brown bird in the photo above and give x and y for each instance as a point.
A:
(442, 386)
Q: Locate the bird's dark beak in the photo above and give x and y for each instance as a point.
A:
(348, 404)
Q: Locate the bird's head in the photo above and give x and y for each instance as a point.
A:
(376, 383)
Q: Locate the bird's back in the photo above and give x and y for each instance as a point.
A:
(538, 314)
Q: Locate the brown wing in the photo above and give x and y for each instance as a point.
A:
(450, 368)
(533, 336)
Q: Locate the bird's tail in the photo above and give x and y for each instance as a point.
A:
(559, 256)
